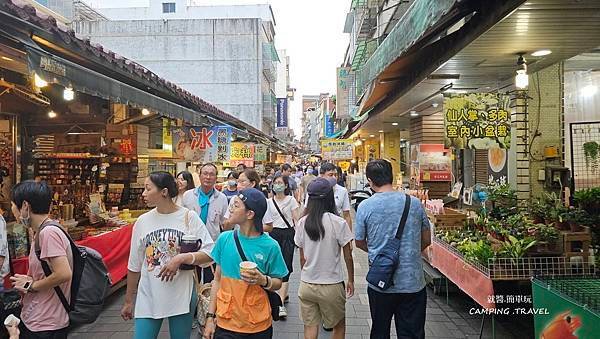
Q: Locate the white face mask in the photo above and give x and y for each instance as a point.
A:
(232, 183)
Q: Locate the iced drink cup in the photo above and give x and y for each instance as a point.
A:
(247, 266)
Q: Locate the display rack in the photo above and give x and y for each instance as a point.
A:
(585, 167)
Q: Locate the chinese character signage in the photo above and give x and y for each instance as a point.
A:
(341, 104)
(434, 163)
(202, 144)
(282, 112)
(260, 152)
(242, 153)
(337, 149)
(477, 121)
(328, 126)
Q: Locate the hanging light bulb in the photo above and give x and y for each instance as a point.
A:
(69, 94)
(145, 111)
(522, 79)
(39, 82)
(52, 115)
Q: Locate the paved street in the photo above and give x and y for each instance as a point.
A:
(443, 321)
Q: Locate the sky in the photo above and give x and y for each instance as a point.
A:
(312, 33)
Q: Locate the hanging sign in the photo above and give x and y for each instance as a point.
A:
(282, 112)
(477, 121)
(329, 127)
(242, 153)
(202, 144)
(260, 152)
(337, 149)
(341, 105)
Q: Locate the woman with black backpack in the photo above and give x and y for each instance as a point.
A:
(321, 236)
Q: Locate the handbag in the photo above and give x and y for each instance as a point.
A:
(203, 291)
(274, 299)
(384, 265)
(281, 214)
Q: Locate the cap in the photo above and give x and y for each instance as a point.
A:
(255, 201)
(319, 188)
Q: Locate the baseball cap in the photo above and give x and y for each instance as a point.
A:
(319, 188)
(255, 200)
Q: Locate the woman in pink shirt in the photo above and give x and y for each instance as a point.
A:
(43, 314)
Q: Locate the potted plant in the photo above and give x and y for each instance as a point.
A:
(588, 200)
(591, 150)
(556, 215)
(546, 237)
(537, 210)
(574, 217)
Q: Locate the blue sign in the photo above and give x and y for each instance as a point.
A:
(329, 126)
(282, 112)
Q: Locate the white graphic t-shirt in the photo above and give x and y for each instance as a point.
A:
(155, 241)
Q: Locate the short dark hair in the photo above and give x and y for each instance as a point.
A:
(209, 164)
(243, 166)
(233, 174)
(37, 194)
(286, 167)
(380, 172)
(328, 166)
(164, 180)
(187, 176)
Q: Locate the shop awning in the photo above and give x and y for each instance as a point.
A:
(55, 69)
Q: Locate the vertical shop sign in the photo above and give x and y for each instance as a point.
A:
(242, 153)
(329, 126)
(341, 104)
(477, 121)
(202, 144)
(282, 113)
(260, 152)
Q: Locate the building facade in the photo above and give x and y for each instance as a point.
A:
(285, 95)
(224, 54)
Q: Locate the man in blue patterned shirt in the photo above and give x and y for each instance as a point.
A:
(377, 220)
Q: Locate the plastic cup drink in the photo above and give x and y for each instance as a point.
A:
(247, 266)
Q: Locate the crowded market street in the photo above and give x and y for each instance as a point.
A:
(444, 321)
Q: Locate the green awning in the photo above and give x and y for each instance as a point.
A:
(274, 55)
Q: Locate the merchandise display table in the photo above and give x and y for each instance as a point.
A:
(113, 246)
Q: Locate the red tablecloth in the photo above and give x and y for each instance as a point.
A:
(113, 246)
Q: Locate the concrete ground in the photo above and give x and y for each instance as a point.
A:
(443, 320)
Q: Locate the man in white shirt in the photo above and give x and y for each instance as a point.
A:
(342, 199)
(210, 204)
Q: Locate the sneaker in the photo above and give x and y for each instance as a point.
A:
(282, 312)
(326, 329)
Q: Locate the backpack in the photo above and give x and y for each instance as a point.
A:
(90, 282)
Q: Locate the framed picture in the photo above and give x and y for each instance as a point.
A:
(468, 196)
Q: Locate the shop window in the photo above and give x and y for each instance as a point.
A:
(168, 7)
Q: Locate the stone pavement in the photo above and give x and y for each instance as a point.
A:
(443, 321)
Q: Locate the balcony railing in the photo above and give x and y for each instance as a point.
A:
(418, 19)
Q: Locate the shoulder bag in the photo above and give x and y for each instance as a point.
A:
(274, 299)
(382, 269)
(281, 213)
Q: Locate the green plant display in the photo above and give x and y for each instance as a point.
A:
(517, 248)
(591, 150)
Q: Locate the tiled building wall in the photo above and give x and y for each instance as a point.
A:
(545, 111)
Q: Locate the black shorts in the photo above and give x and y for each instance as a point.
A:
(285, 239)
(226, 334)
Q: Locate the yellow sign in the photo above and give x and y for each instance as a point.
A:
(477, 121)
(242, 153)
(344, 165)
(337, 149)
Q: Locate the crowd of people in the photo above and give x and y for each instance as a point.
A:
(247, 233)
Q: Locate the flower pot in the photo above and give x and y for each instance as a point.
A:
(575, 227)
(561, 225)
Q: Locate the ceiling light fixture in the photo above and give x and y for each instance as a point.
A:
(541, 53)
(68, 94)
(414, 113)
(372, 136)
(39, 82)
(145, 111)
(380, 131)
(6, 58)
(394, 124)
(521, 79)
(52, 115)
(435, 105)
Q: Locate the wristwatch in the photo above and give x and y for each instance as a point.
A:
(210, 315)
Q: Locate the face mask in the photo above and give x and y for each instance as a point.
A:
(232, 183)
(332, 180)
(278, 188)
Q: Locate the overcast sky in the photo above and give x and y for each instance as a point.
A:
(310, 31)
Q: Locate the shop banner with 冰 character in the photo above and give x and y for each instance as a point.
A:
(260, 152)
(242, 153)
(558, 316)
(202, 144)
(477, 121)
(337, 149)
